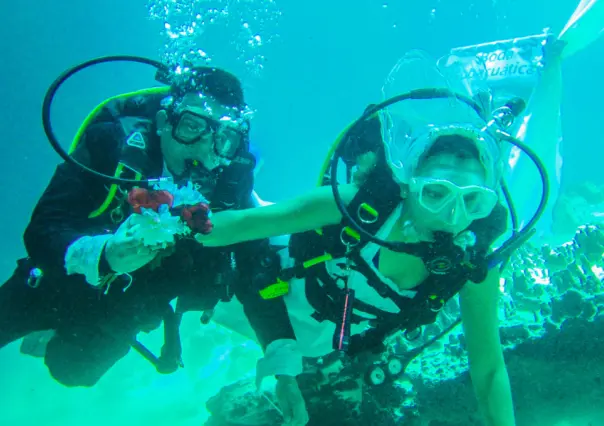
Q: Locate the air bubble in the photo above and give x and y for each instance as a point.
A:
(189, 24)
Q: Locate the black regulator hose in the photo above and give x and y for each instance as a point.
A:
(507, 247)
(54, 87)
(508, 200)
(527, 230)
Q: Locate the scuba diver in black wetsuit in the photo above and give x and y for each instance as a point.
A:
(91, 275)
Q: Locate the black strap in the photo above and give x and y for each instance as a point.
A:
(382, 194)
(415, 312)
(325, 302)
(324, 295)
(373, 279)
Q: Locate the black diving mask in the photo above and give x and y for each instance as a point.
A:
(229, 135)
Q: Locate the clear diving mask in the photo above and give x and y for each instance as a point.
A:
(453, 204)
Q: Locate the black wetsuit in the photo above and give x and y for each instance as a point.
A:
(93, 329)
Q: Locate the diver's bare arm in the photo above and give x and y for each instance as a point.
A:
(479, 310)
(313, 210)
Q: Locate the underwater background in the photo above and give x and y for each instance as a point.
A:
(309, 69)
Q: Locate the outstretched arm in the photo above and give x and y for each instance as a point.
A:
(313, 210)
(479, 310)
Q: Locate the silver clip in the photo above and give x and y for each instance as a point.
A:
(365, 221)
(34, 278)
(346, 243)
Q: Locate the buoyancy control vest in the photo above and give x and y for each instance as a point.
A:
(449, 266)
(139, 155)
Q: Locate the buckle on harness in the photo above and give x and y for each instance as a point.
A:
(349, 237)
(280, 288)
(367, 214)
(436, 303)
(414, 334)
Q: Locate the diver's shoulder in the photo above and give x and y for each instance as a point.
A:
(141, 105)
(102, 136)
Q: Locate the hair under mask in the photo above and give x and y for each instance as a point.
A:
(219, 84)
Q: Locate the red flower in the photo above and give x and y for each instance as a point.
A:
(197, 217)
(140, 198)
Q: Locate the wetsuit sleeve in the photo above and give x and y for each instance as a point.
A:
(61, 215)
(259, 267)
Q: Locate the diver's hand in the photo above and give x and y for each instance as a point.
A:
(125, 252)
(291, 401)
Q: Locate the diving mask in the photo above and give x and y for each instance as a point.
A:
(452, 203)
(229, 135)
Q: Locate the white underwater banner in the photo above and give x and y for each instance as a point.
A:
(541, 126)
(530, 68)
